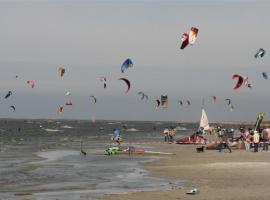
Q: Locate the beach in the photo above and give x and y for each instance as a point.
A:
(237, 175)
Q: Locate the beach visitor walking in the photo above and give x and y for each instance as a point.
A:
(265, 140)
(256, 140)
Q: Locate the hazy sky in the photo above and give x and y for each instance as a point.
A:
(93, 38)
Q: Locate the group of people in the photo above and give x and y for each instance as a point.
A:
(169, 133)
(248, 138)
(255, 138)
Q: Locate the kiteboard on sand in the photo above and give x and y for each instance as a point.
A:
(130, 150)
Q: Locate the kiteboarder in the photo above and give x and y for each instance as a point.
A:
(116, 136)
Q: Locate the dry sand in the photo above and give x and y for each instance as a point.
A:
(234, 176)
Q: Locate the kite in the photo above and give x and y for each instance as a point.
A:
(68, 103)
(103, 79)
(246, 83)
(157, 103)
(61, 109)
(126, 64)
(13, 107)
(8, 94)
(229, 101)
(127, 83)
(239, 82)
(94, 98)
(61, 71)
(265, 75)
(188, 103)
(164, 101)
(192, 35)
(180, 102)
(31, 83)
(67, 93)
(144, 96)
(259, 53)
(189, 38)
(184, 39)
(214, 98)
(231, 109)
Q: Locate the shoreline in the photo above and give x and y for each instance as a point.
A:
(237, 175)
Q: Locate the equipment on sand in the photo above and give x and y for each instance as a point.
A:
(130, 150)
(197, 138)
(193, 191)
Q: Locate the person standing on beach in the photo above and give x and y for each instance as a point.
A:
(246, 137)
(172, 132)
(265, 140)
(225, 142)
(256, 140)
(166, 134)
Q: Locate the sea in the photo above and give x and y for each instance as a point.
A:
(40, 159)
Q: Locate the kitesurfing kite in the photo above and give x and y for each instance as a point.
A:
(68, 103)
(240, 81)
(180, 102)
(231, 109)
(13, 107)
(188, 103)
(61, 71)
(144, 96)
(229, 101)
(126, 64)
(94, 98)
(61, 109)
(259, 53)
(157, 103)
(103, 79)
(214, 98)
(8, 94)
(164, 101)
(192, 35)
(184, 39)
(31, 83)
(246, 82)
(189, 38)
(67, 93)
(265, 75)
(127, 83)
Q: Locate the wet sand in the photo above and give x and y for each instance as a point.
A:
(231, 176)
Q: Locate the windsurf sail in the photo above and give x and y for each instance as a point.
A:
(204, 123)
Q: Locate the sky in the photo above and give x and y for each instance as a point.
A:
(93, 38)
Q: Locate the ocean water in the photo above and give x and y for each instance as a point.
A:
(42, 158)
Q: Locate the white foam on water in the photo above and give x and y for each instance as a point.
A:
(54, 155)
(51, 130)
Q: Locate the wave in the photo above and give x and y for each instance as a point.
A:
(132, 129)
(51, 130)
(66, 126)
(179, 128)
